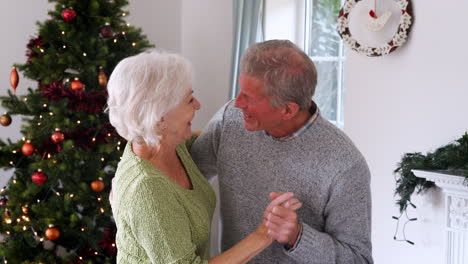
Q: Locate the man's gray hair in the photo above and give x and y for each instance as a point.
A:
(142, 89)
(289, 74)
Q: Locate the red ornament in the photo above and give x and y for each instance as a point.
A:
(28, 149)
(14, 79)
(52, 233)
(372, 14)
(68, 15)
(76, 85)
(3, 202)
(97, 185)
(39, 178)
(57, 137)
(106, 31)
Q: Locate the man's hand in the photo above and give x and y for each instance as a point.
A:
(281, 218)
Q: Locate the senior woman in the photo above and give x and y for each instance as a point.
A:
(161, 203)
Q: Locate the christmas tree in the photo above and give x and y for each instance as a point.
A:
(55, 207)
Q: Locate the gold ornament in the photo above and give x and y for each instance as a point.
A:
(102, 78)
(25, 209)
(5, 120)
(97, 185)
(52, 233)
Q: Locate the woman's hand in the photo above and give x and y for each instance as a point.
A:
(281, 219)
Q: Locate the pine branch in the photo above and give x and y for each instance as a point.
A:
(452, 157)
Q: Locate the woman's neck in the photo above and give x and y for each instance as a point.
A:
(164, 157)
(163, 153)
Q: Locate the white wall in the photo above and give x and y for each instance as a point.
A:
(413, 100)
(207, 33)
(160, 21)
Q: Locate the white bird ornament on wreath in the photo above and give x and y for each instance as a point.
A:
(375, 23)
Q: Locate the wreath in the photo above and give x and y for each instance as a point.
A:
(398, 39)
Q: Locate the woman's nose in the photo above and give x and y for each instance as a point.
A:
(197, 104)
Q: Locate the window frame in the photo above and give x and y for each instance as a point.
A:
(341, 59)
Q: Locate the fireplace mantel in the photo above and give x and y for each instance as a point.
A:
(455, 190)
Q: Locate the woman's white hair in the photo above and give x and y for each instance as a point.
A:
(142, 89)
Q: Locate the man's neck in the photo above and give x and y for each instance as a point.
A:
(290, 126)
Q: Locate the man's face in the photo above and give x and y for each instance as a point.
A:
(257, 109)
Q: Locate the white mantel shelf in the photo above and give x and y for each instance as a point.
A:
(455, 190)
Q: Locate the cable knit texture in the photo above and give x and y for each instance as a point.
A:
(322, 167)
(157, 220)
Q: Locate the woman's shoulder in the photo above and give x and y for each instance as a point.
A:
(136, 183)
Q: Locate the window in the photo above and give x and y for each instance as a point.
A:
(311, 24)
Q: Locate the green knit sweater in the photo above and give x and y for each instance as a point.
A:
(157, 220)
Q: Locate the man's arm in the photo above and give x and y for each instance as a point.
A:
(347, 234)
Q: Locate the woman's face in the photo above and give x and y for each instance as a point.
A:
(178, 120)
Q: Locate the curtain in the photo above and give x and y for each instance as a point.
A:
(248, 23)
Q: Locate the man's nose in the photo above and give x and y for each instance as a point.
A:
(239, 103)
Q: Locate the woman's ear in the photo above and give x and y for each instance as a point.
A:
(162, 125)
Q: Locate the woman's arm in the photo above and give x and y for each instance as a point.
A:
(246, 249)
(156, 220)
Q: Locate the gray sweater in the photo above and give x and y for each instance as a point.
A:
(322, 167)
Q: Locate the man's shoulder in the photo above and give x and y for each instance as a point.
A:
(334, 140)
(230, 112)
(226, 117)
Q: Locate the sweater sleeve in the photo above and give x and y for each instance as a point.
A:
(346, 237)
(159, 223)
(204, 150)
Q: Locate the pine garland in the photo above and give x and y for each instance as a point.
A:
(450, 158)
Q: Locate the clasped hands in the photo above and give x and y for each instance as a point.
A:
(280, 218)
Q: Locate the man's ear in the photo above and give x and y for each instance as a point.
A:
(290, 110)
